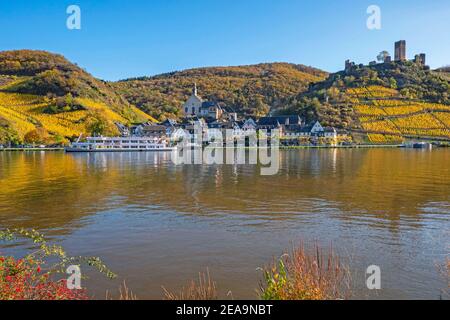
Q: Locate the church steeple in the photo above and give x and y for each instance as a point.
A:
(194, 91)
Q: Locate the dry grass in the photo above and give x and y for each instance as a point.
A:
(204, 289)
(448, 273)
(298, 275)
(125, 293)
(301, 275)
(444, 271)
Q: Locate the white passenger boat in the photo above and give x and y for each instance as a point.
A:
(119, 144)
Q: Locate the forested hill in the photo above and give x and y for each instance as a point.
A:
(44, 98)
(44, 73)
(385, 102)
(250, 90)
(444, 72)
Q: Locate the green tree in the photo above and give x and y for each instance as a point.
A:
(69, 100)
(393, 83)
(98, 125)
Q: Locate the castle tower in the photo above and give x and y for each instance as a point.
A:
(349, 65)
(400, 50)
(423, 58)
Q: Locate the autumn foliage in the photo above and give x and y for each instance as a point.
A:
(25, 280)
(305, 275)
(35, 276)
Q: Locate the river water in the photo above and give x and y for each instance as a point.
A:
(159, 224)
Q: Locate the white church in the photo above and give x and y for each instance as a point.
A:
(195, 106)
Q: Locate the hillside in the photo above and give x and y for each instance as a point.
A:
(249, 90)
(444, 69)
(46, 99)
(381, 103)
(444, 72)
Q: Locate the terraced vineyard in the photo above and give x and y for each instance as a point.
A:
(386, 117)
(21, 114)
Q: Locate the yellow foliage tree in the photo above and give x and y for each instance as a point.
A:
(38, 135)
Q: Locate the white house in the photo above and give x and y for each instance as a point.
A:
(249, 125)
(312, 130)
(316, 128)
(180, 134)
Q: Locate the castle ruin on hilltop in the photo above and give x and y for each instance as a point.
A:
(399, 56)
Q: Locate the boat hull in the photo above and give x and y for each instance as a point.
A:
(78, 150)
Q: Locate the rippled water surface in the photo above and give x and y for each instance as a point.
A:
(157, 224)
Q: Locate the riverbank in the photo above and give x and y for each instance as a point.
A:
(281, 148)
(342, 147)
(30, 149)
(362, 146)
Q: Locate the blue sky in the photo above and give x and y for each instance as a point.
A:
(121, 39)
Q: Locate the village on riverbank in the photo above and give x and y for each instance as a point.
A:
(215, 119)
(381, 116)
(219, 123)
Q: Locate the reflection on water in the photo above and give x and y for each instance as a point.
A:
(159, 224)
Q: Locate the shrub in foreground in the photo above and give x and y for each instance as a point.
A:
(24, 280)
(33, 278)
(301, 275)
